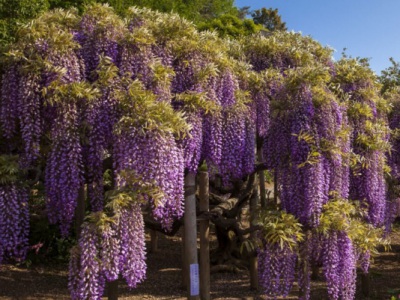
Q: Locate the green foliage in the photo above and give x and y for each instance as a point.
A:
(243, 12)
(136, 190)
(22, 9)
(375, 136)
(46, 243)
(210, 9)
(195, 10)
(195, 101)
(54, 28)
(349, 70)
(16, 12)
(366, 237)
(269, 19)
(390, 77)
(360, 109)
(281, 228)
(342, 215)
(106, 20)
(231, 26)
(314, 76)
(301, 51)
(164, 27)
(142, 110)
(9, 169)
(313, 156)
(79, 4)
(361, 103)
(57, 92)
(218, 14)
(336, 216)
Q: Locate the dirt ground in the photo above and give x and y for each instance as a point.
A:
(164, 279)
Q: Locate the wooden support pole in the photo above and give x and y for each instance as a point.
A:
(80, 211)
(276, 187)
(204, 238)
(261, 178)
(112, 288)
(190, 233)
(253, 260)
(185, 272)
(365, 284)
(154, 241)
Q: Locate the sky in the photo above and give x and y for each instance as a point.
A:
(366, 28)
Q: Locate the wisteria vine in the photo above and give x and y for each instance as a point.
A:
(148, 99)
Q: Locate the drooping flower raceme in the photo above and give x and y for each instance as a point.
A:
(156, 158)
(14, 222)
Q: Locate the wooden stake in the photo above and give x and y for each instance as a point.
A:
(185, 272)
(366, 284)
(275, 187)
(80, 211)
(190, 233)
(204, 238)
(112, 290)
(253, 260)
(261, 178)
(154, 241)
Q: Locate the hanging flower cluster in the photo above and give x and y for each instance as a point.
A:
(14, 222)
(369, 137)
(312, 117)
(277, 256)
(106, 251)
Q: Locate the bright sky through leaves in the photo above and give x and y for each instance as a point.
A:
(367, 28)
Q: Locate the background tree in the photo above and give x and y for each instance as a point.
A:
(12, 13)
(243, 12)
(269, 18)
(390, 77)
(230, 25)
(196, 10)
(221, 15)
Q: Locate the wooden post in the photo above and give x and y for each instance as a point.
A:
(80, 211)
(154, 241)
(190, 233)
(276, 187)
(112, 290)
(184, 263)
(314, 272)
(261, 178)
(366, 284)
(253, 260)
(204, 238)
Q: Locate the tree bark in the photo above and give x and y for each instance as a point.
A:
(204, 238)
(80, 211)
(276, 187)
(366, 284)
(261, 178)
(154, 241)
(253, 259)
(112, 290)
(190, 233)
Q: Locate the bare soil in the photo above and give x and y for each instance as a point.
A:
(164, 278)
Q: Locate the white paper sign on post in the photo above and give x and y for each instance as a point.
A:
(194, 280)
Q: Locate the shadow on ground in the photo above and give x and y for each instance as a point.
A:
(164, 280)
